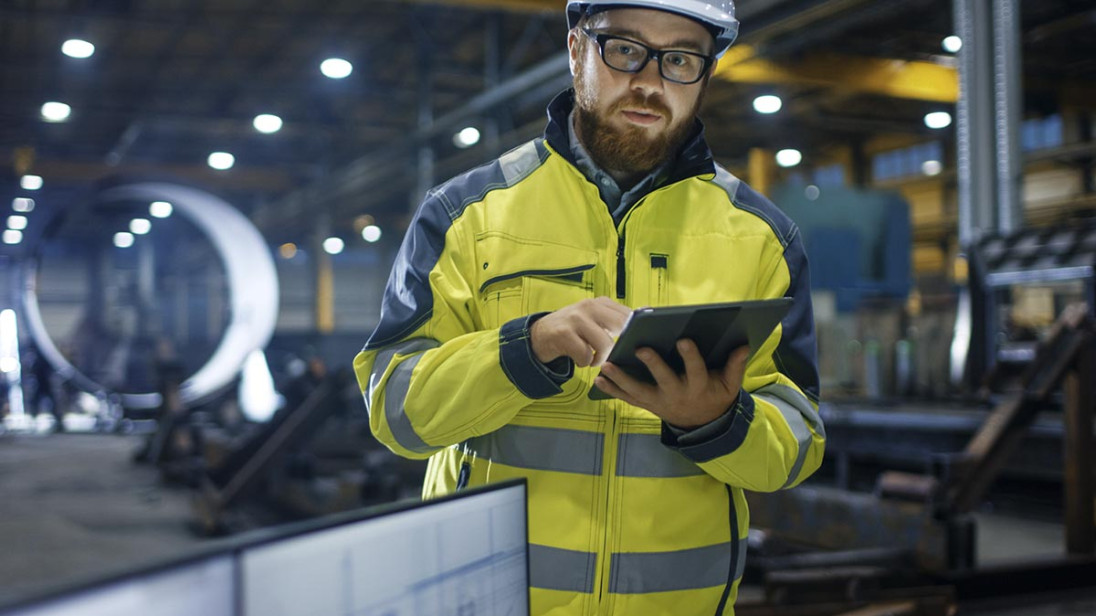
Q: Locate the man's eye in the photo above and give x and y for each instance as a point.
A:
(677, 60)
(625, 49)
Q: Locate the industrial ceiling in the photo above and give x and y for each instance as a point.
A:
(174, 80)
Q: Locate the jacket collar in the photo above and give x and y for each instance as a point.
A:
(694, 158)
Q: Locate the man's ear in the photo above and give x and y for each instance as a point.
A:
(711, 69)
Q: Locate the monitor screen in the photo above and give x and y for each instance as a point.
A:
(205, 587)
(465, 554)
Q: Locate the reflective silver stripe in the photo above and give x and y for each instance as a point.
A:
(556, 569)
(519, 162)
(797, 411)
(740, 566)
(395, 392)
(544, 449)
(643, 572)
(644, 455)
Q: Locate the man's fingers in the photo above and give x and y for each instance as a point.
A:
(596, 338)
(696, 370)
(634, 388)
(610, 315)
(608, 386)
(664, 375)
(572, 345)
(735, 369)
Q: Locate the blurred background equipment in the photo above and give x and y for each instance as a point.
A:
(101, 305)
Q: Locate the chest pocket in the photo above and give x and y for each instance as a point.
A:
(521, 276)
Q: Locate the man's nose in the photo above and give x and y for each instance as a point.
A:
(648, 80)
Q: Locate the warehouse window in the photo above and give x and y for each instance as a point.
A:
(830, 175)
(905, 162)
(1041, 133)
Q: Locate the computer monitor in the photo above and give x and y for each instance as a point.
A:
(204, 586)
(464, 554)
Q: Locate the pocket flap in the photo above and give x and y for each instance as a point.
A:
(504, 257)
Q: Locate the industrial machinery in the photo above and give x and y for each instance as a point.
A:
(1019, 283)
(916, 530)
(149, 272)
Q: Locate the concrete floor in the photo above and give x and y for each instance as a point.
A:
(75, 506)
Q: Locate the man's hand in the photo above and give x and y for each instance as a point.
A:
(584, 331)
(686, 401)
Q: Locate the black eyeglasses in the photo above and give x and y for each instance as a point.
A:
(630, 56)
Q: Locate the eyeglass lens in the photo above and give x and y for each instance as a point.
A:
(631, 57)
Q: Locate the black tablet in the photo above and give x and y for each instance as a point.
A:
(717, 330)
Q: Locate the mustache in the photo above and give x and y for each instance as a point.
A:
(643, 103)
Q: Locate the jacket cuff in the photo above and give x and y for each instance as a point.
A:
(722, 436)
(532, 378)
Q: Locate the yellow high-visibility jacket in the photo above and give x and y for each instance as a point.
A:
(626, 516)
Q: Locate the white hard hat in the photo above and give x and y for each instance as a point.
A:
(717, 15)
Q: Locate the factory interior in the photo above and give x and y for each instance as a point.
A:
(203, 202)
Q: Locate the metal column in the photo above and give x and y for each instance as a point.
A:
(325, 276)
(426, 116)
(492, 76)
(975, 126)
(1008, 100)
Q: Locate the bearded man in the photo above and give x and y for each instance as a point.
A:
(515, 278)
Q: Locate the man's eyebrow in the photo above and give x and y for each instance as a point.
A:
(684, 44)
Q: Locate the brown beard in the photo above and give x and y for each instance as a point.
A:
(629, 151)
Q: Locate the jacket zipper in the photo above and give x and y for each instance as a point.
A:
(464, 475)
(621, 269)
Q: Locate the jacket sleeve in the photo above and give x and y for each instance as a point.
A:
(772, 438)
(429, 376)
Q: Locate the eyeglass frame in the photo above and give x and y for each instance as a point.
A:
(652, 54)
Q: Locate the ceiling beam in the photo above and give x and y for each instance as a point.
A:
(266, 180)
(906, 79)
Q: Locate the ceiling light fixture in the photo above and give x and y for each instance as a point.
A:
(938, 119)
(54, 111)
(333, 245)
(768, 104)
(123, 239)
(371, 234)
(31, 182)
(336, 68)
(467, 137)
(267, 123)
(160, 209)
(140, 226)
(77, 48)
(221, 161)
(789, 158)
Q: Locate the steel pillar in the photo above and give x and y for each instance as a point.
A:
(975, 126)
(1009, 104)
